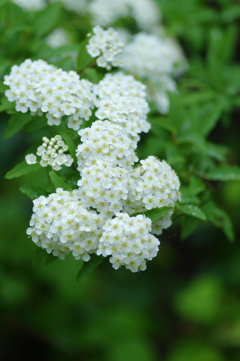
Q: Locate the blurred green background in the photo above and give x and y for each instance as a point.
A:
(184, 307)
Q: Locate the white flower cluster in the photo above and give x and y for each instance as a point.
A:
(148, 56)
(145, 12)
(61, 224)
(122, 99)
(106, 141)
(30, 4)
(51, 153)
(40, 87)
(154, 184)
(156, 59)
(107, 46)
(127, 240)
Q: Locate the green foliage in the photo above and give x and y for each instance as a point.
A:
(186, 306)
(155, 213)
(89, 266)
(22, 169)
(32, 192)
(58, 182)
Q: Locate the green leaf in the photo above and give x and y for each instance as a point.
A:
(22, 169)
(17, 122)
(209, 118)
(224, 172)
(49, 258)
(38, 256)
(188, 226)
(191, 210)
(37, 122)
(92, 75)
(220, 219)
(32, 192)
(155, 213)
(3, 87)
(164, 123)
(83, 58)
(58, 182)
(6, 105)
(89, 266)
(68, 140)
(47, 19)
(41, 257)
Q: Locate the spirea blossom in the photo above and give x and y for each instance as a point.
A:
(148, 56)
(154, 184)
(122, 99)
(157, 59)
(104, 186)
(106, 141)
(51, 153)
(128, 242)
(61, 223)
(106, 46)
(42, 88)
(145, 12)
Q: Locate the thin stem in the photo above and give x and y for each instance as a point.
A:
(90, 65)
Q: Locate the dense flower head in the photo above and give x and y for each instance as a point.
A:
(128, 242)
(106, 141)
(148, 56)
(61, 223)
(42, 88)
(154, 184)
(107, 46)
(51, 153)
(122, 100)
(144, 12)
(104, 186)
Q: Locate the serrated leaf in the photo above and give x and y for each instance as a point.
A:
(58, 182)
(22, 169)
(191, 210)
(17, 122)
(83, 58)
(89, 266)
(32, 192)
(224, 172)
(155, 213)
(220, 219)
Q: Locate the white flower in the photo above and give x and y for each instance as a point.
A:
(52, 153)
(128, 241)
(31, 159)
(40, 87)
(107, 46)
